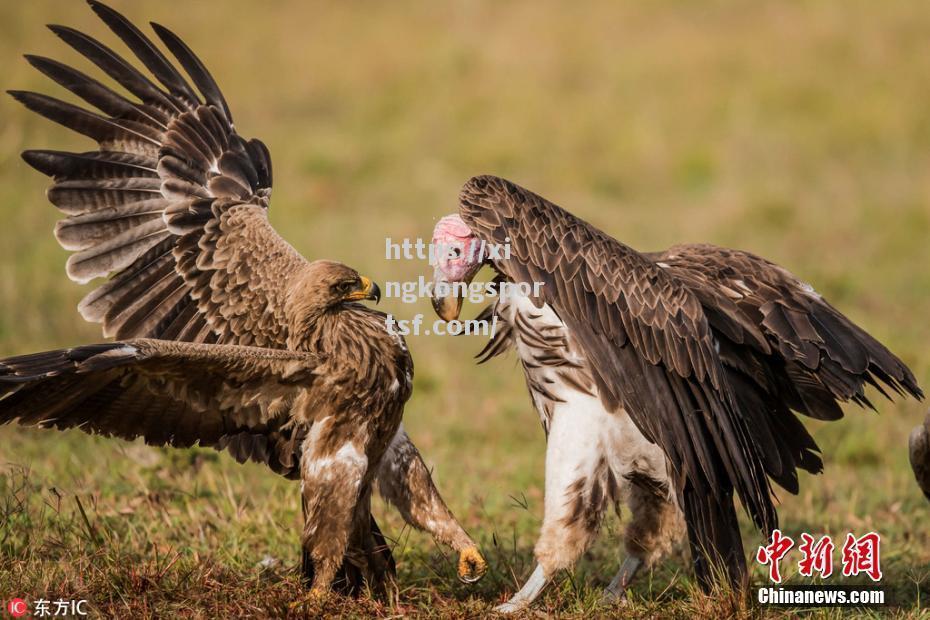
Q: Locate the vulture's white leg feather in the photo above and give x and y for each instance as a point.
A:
(594, 457)
(575, 456)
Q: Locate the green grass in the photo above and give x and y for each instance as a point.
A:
(798, 131)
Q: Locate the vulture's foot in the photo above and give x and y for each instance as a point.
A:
(472, 565)
(616, 590)
(527, 594)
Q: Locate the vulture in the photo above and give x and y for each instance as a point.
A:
(670, 381)
(919, 452)
(225, 336)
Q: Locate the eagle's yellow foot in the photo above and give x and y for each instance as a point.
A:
(312, 598)
(471, 565)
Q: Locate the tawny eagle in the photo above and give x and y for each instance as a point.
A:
(668, 380)
(227, 336)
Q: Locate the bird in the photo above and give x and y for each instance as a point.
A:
(667, 380)
(223, 334)
(919, 453)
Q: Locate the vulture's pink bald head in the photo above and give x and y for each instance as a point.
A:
(456, 253)
(454, 248)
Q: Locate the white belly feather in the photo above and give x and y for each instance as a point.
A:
(581, 432)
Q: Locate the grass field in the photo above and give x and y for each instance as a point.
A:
(799, 131)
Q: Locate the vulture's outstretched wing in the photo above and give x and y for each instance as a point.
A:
(649, 346)
(170, 393)
(754, 302)
(785, 348)
(173, 204)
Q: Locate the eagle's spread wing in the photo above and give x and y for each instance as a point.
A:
(173, 204)
(648, 343)
(170, 393)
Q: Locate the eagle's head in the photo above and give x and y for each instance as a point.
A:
(325, 285)
(456, 256)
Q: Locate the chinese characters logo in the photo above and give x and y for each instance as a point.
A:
(859, 555)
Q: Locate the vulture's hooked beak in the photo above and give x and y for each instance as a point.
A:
(366, 290)
(447, 301)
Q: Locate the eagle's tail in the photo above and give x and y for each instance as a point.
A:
(714, 537)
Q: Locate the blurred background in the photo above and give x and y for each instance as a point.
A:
(798, 131)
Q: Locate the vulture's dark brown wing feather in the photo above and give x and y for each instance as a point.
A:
(170, 393)
(783, 320)
(785, 348)
(649, 346)
(172, 207)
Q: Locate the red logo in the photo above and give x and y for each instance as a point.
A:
(817, 557)
(17, 607)
(773, 553)
(862, 555)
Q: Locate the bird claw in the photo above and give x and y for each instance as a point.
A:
(313, 597)
(510, 607)
(472, 565)
(527, 594)
(612, 596)
(615, 592)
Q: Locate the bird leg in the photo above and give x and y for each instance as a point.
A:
(656, 525)
(616, 590)
(919, 452)
(335, 494)
(368, 560)
(307, 571)
(579, 486)
(405, 481)
(527, 594)
(369, 549)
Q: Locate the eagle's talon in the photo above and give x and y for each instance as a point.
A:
(472, 565)
(313, 597)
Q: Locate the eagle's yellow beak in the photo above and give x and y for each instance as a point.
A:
(366, 290)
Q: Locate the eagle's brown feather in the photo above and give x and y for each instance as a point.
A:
(231, 338)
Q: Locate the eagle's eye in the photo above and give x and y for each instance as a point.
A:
(455, 252)
(343, 288)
